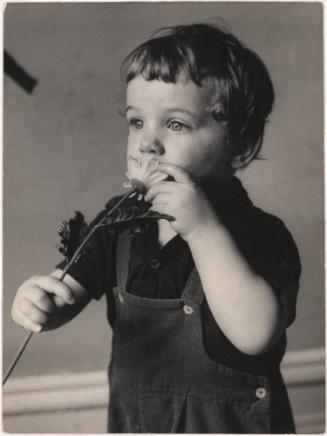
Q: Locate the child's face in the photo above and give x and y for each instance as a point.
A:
(171, 121)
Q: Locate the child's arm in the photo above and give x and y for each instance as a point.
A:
(242, 303)
(45, 303)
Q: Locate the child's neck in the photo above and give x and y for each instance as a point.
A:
(165, 232)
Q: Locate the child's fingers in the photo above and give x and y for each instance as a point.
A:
(156, 190)
(58, 301)
(30, 311)
(162, 188)
(42, 299)
(162, 208)
(26, 323)
(178, 173)
(54, 286)
(162, 198)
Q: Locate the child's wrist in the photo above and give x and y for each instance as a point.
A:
(203, 230)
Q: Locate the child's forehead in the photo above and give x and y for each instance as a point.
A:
(182, 91)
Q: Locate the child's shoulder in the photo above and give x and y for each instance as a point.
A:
(272, 241)
(261, 231)
(271, 225)
(250, 215)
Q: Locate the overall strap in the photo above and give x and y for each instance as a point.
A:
(193, 290)
(122, 257)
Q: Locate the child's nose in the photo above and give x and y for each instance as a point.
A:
(151, 144)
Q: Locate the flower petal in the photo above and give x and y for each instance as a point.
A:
(144, 170)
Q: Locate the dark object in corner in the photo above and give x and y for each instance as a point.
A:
(17, 73)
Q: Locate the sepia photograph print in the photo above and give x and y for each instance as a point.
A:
(163, 218)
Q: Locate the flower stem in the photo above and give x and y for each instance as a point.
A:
(95, 227)
(63, 274)
(17, 357)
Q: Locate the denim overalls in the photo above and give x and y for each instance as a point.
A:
(162, 380)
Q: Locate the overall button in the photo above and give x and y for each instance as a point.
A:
(120, 297)
(188, 309)
(260, 392)
(155, 263)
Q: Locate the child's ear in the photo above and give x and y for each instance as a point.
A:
(245, 157)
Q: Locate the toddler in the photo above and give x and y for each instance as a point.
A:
(198, 305)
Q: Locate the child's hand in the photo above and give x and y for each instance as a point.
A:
(38, 300)
(182, 199)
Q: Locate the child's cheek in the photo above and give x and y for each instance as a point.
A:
(131, 143)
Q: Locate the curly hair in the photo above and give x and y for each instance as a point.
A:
(242, 91)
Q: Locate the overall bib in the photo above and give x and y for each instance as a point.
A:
(162, 380)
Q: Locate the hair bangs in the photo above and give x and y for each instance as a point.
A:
(160, 59)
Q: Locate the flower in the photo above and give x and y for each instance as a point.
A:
(142, 174)
(72, 233)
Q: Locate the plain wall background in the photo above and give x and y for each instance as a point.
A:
(64, 146)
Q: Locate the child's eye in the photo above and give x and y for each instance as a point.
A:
(177, 126)
(136, 123)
